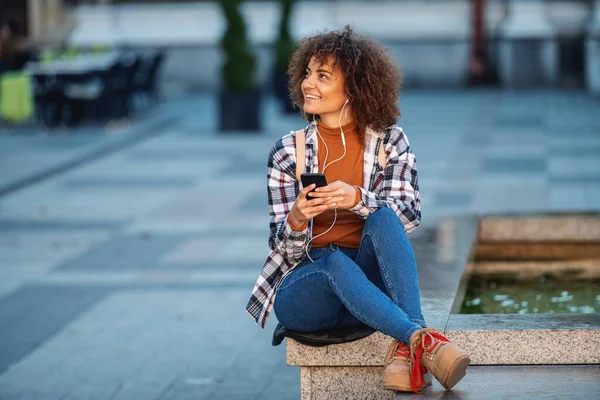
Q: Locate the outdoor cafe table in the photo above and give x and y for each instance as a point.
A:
(78, 65)
(65, 71)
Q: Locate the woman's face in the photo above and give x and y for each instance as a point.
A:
(323, 89)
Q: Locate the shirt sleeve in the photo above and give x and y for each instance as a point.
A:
(400, 189)
(282, 192)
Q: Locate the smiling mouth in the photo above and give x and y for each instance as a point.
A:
(311, 97)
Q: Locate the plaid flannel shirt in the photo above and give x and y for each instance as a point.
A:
(396, 187)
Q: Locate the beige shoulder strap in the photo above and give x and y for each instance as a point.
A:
(300, 153)
(382, 156)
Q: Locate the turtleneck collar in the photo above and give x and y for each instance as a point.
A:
(332, 134)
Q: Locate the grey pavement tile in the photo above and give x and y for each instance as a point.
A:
(515, 137)
(564, 142)
(516, 165)
(7, 224)
(497, 179)
(577, 150)
(435, 167)
(577, 165)
(31, 315)
(283, 385)
(107, 205)
(565, 197)
(173, 154)
(451, 199)
(22, 249)
(176, 339)
(244, 167)
(108, 183)
(253, 222)
(208, 249)
(167, 226)
(217, 197)
(519, 121)
(592, 197)
(576, 179)
(121, 166)
(490, 197)
(126, 252)
(533, 150)
(476, 139)
(256, 202)
(573, 133)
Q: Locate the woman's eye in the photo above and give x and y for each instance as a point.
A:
(323, 76)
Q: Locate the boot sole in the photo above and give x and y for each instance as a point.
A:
(456, 372)
(389, 383)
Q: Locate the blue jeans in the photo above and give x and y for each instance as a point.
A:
(376, 285)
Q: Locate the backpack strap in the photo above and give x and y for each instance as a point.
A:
(300, 153)
(381, 157)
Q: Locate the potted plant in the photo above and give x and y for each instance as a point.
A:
(284, 48)
(239, 98)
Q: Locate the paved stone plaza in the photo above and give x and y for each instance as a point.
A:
(127, 255)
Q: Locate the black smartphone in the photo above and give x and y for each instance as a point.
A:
(309, 179)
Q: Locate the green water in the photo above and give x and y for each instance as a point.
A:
(543, 296)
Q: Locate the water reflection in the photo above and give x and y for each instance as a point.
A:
(545, 295)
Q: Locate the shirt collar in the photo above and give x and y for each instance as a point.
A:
(311, 134)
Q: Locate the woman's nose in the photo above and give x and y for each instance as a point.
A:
(308, 82)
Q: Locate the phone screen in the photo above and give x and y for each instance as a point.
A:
(317, 179)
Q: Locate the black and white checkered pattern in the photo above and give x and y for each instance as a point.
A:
(396, 187)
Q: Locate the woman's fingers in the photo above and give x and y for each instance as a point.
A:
(320, 209)
(314, 207)
(325, 194)
(315, 202)
(331, 200)
(305, 190)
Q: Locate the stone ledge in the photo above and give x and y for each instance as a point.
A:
(489, 339)
(369, 351)
(534, 347)
(514, 339)
(567, 228)
(331, 383)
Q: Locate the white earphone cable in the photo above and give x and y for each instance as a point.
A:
(324, 168)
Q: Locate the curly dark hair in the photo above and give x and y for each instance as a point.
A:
(372, 78)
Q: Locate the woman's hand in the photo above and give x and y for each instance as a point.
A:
(303, 209)
(338, 193)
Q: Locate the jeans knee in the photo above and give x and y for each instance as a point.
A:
(385, 212)
(381, 215)
(382, 220)
(337, 262)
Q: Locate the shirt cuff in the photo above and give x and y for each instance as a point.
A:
(297, 228)
(357, 196)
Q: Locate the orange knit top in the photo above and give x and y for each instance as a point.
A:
(348, 227)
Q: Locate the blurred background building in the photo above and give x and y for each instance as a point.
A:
(438, 43)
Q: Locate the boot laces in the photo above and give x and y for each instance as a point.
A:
(396, 349)
(429, 341)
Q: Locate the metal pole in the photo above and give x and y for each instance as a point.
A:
(477, 62)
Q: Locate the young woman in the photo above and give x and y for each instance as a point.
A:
(341, 256)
